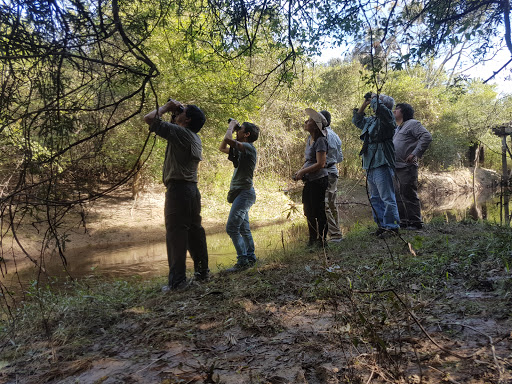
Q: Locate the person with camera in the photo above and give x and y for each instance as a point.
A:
(378, 157)
(314, 175)
(334, 156)
(184, 230)
(411, 140)
(241, 193)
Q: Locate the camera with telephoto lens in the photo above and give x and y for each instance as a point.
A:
(237, 127)
(368, 96)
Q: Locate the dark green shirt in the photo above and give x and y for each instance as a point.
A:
(242, 177)
(183, 152)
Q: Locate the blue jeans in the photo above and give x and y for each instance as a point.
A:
(382, 197)
(238, 227)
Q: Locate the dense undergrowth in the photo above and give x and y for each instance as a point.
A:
(428, 306)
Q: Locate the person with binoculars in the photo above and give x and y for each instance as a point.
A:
(241, 195)
(378, 155)
(184, 230)
(314, 174)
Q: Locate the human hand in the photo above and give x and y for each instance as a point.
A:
(174, 106)
(233, 125)
(410, 159)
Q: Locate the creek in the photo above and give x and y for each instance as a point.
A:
(149, 259)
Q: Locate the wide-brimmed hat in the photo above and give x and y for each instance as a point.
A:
(319, 119)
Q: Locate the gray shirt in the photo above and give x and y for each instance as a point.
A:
(312, 147)
(334, 154)
(242, 177)
(410, 138)
(183, 152)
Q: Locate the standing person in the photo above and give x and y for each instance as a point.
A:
(314, 174)
(182, 199)
(334, 156)
(411, 140)
(378, 155)
(241, 191)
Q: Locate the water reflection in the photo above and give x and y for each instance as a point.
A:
(150, 259)
(458, 207)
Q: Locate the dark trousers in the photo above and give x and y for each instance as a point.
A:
(184, 231)
(313, 200)
(406, 191)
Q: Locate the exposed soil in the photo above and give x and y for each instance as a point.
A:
(429, 307)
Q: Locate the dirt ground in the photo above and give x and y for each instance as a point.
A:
(302, 319)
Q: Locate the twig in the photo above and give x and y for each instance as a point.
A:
(493, 350)
(417, 322)
(371, 377)
(445, 375)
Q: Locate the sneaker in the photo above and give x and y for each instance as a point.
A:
(389, 232)
(237, 268)
(240, 267)
(335, 240)
(166, 289)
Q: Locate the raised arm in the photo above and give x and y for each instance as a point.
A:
(171, 106)
(228, 139)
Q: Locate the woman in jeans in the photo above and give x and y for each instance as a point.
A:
(314, 175)
(241, 192)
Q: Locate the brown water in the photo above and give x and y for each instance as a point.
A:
(150, 259)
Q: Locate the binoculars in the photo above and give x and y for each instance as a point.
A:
(237, 127)
(180, 107)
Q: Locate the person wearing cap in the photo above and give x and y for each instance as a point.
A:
(241, 191)
(411, 140)
(334, 156)
(378, 155)
(182, 209)
(314, 175)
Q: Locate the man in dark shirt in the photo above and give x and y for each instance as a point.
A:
(182, 199)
